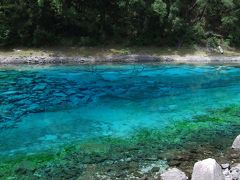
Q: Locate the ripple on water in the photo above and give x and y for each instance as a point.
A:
(40, 105)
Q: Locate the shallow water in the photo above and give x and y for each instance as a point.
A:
(47, 106)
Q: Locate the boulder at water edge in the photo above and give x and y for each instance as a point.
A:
(233, 173)
(236, 143)
(173, 174)
(207, 169)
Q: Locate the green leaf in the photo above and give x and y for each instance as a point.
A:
(160, 8)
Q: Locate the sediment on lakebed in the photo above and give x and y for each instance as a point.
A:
(146, 153)
(129, 58)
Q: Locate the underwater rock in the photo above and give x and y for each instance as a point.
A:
(236, 143)
(174, 174)
(70, 91)
(34, 107)
(74, 100)
(155, 169)
(99, 158)
(137, 174)
(48, 137)
(24, 168)
(60, 94)
(174, 163)
(40, 87)
(159, 166)
(207, 169)
(14, 98)
(9, 92)
(144, 178)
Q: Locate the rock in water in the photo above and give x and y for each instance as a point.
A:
(236, 143)
(207, 169)
(173, 174)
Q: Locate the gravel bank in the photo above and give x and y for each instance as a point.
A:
(133, 58)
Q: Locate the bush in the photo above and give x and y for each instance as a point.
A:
(42, 37)
(213, 42)
(4, 35)
(86, 41)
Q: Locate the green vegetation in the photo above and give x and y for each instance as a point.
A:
(10, 166)
(212, 133)
(128, 22)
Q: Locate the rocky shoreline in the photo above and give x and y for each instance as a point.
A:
(140, 167)
(209, 169)
(129, 58)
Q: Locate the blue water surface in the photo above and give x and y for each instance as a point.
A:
(47, 106)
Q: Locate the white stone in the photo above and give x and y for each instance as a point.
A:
(226, 172)
(236, 166)
(233, 173)
(225, 166)
(220, 49)
(207, 169)
(236, 143)
(173, 174)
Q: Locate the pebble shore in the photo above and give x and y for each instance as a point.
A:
(130, 58)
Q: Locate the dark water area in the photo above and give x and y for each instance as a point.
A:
(111, 115)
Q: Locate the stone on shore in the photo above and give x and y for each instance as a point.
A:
(174, 174)
(236, 143)
(233, 173)
(225, 166)
(207, 169)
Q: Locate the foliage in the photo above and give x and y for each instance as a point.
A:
(160, 8)
(140, 22)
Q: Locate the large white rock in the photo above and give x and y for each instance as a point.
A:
(236, 143)
(207, 169)
(173, 174)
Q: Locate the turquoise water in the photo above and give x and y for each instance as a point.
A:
(46, 106)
